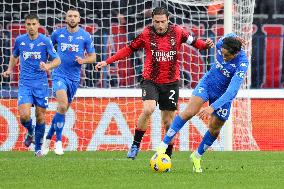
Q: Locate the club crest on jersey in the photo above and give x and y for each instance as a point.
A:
(70, 38)
(172, 40)
(31, 46)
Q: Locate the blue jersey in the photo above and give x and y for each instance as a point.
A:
(31, 53)
(70, 45)
(225, 78)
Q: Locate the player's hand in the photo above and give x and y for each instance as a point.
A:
(80, 60)
(43, 66)
(209, 43)
(244, 42)
(205, 113)
(100, 65)
(7, 73)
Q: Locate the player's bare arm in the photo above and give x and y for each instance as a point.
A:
(53, 64)
(89, 59)
(12, 64)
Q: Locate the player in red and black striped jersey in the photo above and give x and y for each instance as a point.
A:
(162, 42)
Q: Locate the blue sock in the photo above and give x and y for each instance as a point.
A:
(59, 121)
(28, 126)
(176, 125)
(39, 133)
(52, 128)
(206, 142)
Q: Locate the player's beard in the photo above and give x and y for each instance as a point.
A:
(72, 26)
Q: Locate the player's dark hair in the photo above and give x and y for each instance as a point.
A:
(232, 45)
(31, 16)
(160, 11)
(73, 9)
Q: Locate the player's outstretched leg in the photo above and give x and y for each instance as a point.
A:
(133, 151)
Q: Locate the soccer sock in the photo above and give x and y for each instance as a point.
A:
(176, 125)
(28, 126)
(138, 137)
(169, 150)
(59, 121)
(52, 128)
(39, 133)
(206, 142)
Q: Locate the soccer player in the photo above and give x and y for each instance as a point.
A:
(162, 42)
(33, 49)
(72, 42)
(219, 86)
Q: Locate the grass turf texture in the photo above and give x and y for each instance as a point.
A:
(114, 170)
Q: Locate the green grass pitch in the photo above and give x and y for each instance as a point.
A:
(98, 170)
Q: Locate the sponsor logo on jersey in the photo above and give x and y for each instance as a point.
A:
(23, 43)
(61, 35)
(163, 56)
(223, 70)
(69, 47)
(32, 55)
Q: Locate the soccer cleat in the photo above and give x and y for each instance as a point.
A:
(196, 163)
(58, 148)
(38, 153)
(133, 151)
(161, 150)
(28, 139)
(45, 146)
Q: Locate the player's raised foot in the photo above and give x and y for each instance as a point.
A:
(58, 148)
(39, 153)
(133, 151)
(28, 139)
(196, 163)
(45, 146)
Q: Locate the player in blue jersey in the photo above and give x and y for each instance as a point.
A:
(219, 86)
(72, 42)
(33, 49)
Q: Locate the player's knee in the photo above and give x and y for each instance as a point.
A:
(25, 118)
(148, 111)
(62, 108)
(215, 131)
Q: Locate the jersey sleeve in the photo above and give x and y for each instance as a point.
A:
(50, 49)
(137, 43)
(89, 44)
(234, 85)
(186, 37)
(53, 37)
(16, 50)
(220, 42)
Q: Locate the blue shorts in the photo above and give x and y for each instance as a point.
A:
(207, 94)
(60, 83)
(32, 92)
